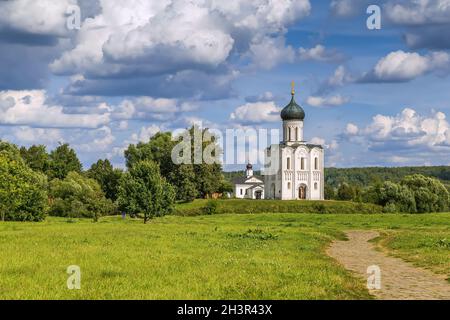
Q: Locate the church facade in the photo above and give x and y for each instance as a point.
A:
(249, 186)
(300, 165)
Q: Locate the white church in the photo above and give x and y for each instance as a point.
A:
(299, 171)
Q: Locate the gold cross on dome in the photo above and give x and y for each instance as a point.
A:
(293, 87)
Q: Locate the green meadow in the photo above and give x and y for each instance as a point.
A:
(226, 256)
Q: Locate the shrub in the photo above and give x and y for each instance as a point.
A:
(23, 192)
(211, 207)
(239, 206)
(77, 196)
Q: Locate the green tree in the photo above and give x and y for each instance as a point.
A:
(158, 149)
(207, 177)
(394, 197)
(429, 193)
(109, 178)
(36, 157)
(144, 191)
(183, 179)
(10, 150)
(23, 192)
(345, 192)
(63, 160)
(330, 193)
(78, 196)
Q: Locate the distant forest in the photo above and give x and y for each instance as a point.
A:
(365, 176)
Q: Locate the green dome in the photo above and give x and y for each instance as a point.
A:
(292, 111)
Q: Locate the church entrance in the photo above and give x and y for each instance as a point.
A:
(258, 195)
(302, 192)
(273, 191)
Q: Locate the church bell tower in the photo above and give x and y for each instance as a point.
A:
(292, 116)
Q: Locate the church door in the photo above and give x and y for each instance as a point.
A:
(258, 195)
(302, 192)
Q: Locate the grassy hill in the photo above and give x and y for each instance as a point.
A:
(241, 206)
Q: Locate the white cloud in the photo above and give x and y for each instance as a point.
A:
(405, 66)
(43, 17)
(320, 53)
(333, 145)
(418, 12)
(351, 129)
(157, 37)
(146, 133)
(269, 52)
(27, 134)
(256, 112)
(347, 8)
(160, 109)
(339, 78)
(406, 130)
(29, 108)
(333, 101)
(97, 140)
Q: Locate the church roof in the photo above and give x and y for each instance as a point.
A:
(243, 180)
(293, 111)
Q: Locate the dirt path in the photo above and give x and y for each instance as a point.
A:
(399, 279)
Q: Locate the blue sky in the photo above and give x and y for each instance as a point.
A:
(371, 97)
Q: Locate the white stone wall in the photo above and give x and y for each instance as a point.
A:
(296, 131)
(291, 177)
(237, 190)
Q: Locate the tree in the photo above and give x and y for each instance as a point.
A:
(183, 180)
(62, 161)
(36, 157)
(10, 150)
(158, 149)
(429, 193)
(23, 192)
(144, 191)
(206, 177)
(392, 196)
(109, 178)
(78, 196)
(330, 193)
(345, 192)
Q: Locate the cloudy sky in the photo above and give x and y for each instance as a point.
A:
(372, 97)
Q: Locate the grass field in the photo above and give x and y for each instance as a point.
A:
(251, 256)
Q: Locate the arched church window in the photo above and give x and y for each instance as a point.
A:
(315, 186)
(302, 163)
(289, 186)
(316, 163)
(288, 163)
(289, 130)
(296, 134)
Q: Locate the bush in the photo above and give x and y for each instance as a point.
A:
(211, 207)
(23, 192)
(239, 206)
(78, 197)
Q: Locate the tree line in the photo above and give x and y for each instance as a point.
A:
(414, 193)
(34, 182)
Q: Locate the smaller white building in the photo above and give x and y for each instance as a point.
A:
(249, 186)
